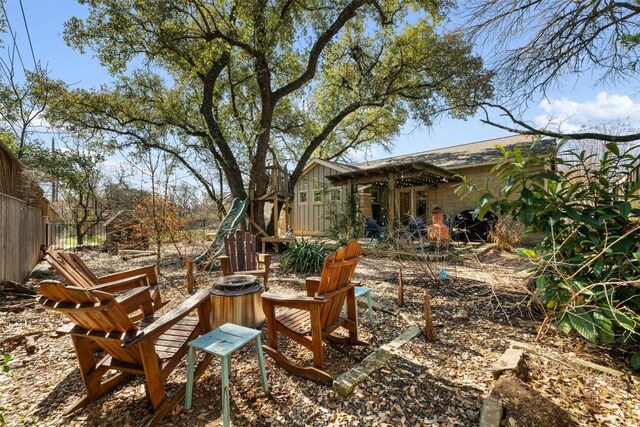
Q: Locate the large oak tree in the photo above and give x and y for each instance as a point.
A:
(237, 83)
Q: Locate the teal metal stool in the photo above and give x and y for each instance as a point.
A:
(223, 341)
(363, 292)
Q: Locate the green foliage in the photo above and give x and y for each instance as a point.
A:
(304, 256)
(238, 82)
(635, 360)
(6, 358)
(344, 224)
(587, 265)
(5, 369)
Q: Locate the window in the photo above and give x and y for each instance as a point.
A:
(318, 195)
(336, 194)
(302, 197)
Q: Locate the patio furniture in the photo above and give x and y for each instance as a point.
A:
(241, 257)
(72, 269)
(153, 347)
(372, 229)
(222, 342)
(312, 318)
(417, 228)
(236, 299)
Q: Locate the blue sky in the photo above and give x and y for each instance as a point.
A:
(578, 103)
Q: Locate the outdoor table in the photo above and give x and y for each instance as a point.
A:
(222, 342)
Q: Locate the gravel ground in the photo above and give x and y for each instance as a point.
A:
(476, 312)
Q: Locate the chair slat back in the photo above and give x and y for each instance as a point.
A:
(337, 272)
(240, 247)
(105, 321)
(79, 265)
(91, 310)
(71, 268)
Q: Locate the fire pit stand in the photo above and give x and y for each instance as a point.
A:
(237, 299)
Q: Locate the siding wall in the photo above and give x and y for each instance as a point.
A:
(22, 231)
(310, 218)
(446, 199)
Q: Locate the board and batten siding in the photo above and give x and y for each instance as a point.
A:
(22, 231)
(310, 218)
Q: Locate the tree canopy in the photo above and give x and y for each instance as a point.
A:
(239, 83)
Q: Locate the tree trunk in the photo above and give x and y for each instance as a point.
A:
(79, 235)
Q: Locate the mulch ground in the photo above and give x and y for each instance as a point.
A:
(476, 312)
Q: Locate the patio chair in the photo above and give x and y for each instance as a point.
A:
(372, 229)
(153, 347)
(76, 273)
(312, 318)
(241, 257)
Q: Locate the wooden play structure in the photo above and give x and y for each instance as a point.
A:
(278, 194)
(308, 320)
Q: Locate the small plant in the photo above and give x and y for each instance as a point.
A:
(344, 223)
(304, 256)
(5, 369)
(5, 363)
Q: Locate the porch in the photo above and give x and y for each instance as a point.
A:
(404, 186)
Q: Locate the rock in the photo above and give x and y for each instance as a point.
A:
(42, 271)
(461, 315)
(511, 360)
(491, 414)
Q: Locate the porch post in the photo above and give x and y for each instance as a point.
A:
(392, 201)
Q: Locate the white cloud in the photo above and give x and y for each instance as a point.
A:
(569, 116)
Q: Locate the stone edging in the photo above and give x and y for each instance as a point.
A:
(345, 383)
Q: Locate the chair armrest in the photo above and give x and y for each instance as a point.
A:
(123, 284)
(265, 259)
(170, 318)
(149, 271)
(331, 294)
(312, 284)
(224, 265)
(135, 299)
(291, 301)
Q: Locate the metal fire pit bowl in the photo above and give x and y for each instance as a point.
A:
(237, 299)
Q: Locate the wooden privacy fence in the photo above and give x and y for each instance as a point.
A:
(22, 231)
(24, 211)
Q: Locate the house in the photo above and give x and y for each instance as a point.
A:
(414, 184)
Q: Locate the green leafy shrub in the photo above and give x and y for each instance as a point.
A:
(304, 256)
(344, 219)
(587, 265)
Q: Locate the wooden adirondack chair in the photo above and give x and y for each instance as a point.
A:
(241, 257)
(76, 273)
(310, 319)
(153, 347)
